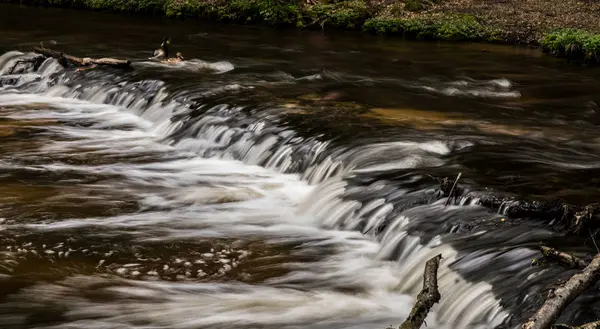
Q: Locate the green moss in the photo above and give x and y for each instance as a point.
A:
(419, 5)
(131, 6)
(56, 3)
(452, 27)
(349, 14)
(463, 27)
(396, 9)
(414, 5)
(187, 8)
(385, 25)
(273, 12)
(573, 44)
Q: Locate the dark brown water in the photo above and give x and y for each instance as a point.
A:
(232, 190)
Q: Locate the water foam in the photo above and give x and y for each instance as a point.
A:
(193, 65)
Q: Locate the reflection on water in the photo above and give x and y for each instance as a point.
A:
(277, 180)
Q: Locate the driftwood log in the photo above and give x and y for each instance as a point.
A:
(66, 59)
(591, 325)
(428, 296)
(563, 258)
(562, 296)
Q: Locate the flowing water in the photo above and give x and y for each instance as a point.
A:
(279, 179)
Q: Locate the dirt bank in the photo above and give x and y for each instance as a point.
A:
(566, 28)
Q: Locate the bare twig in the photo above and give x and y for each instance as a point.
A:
(452, 189)
(427, 297)
(323, 24)
(15, 66)
(562, 296)
(35, 61)
(593, 236)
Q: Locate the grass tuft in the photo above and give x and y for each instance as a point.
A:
(572, 44)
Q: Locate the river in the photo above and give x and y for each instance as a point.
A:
(277, 178)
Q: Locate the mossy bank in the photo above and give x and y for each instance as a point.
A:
(567, 29)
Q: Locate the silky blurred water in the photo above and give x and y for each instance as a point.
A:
(278, 179)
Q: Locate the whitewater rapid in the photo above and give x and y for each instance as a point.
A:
(220, 178)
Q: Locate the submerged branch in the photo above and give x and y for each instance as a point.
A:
(562, 296)
(573, 219)
(563, 258)
(427, 297)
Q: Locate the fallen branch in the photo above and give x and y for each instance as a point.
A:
(562, 296)
(591, 325)
(563, 258)
(427, 297)
(77, 61)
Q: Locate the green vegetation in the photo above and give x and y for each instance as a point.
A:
(131, 6)
(273, 12)
(418, 5)
(145, 6)
(452, 27)
(417, 19)
(343, 14)
(573, 44)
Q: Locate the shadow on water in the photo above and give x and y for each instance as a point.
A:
(234, 189)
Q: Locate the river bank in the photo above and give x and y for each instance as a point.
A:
(567, 29)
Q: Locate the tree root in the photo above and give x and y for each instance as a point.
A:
(427, 297)
(562, 296)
